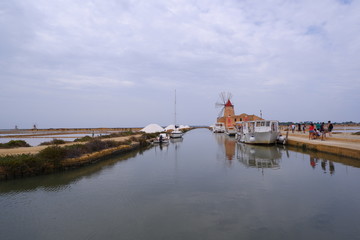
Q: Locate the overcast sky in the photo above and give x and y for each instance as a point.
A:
(81, 63)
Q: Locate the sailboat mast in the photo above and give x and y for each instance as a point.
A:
(175, 109)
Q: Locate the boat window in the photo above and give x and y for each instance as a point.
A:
(258, 124)
(262, 124)
(268, 124)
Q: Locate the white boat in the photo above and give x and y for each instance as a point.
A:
(231, 131)
(162, 138)
(257, 132)
(176, 133)
(219, 127)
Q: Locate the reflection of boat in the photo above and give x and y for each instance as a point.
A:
(219, 127)
(176, 140)
(162, 138)
(258, 156)
(257, 132)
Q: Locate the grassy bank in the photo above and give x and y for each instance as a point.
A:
(57, 158)
(14, 144)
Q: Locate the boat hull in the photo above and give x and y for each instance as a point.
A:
(230, 132)
(176, 134)
(258, 137)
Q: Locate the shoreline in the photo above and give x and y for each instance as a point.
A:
(16, 170)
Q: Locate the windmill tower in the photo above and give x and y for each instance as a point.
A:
(226, 114)
(227, 108)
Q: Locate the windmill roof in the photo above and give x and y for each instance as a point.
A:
(228, 104)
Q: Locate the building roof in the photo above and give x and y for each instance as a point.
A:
(228, 104)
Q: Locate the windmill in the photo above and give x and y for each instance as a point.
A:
(225, 104)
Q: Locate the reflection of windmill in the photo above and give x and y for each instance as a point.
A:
(227, 109)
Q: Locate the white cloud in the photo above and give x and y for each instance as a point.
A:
(297, 48)
(78, 82)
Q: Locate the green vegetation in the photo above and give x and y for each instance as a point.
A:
(120, 134)
(83, 139)
(113, 135)
(22, 165)
(14, 144)
(356, 133)
(53, 142)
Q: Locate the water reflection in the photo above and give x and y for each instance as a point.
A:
(161, 146)
(326, 166)
(326, 160)
(259, 156)
(227, 147)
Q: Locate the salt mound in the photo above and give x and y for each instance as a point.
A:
(152, 128)
(170, 127)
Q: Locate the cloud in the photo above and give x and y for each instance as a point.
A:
(79, 82)
(271, 50)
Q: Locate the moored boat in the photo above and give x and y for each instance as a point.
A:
(162, 138)
(231, 131)
(176, 133)
(257, 132)
(219, 127)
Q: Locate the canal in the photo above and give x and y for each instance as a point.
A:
(203, 187)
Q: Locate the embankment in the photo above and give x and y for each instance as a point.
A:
(338, 144)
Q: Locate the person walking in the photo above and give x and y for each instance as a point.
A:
(330, 128)
(322, 131)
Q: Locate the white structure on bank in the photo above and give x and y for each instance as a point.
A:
(152, 128)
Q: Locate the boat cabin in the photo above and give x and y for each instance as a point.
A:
(257, 126)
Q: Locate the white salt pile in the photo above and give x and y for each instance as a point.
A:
(152, 128)
(170, 127)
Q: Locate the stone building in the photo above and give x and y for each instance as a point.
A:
(229, 118)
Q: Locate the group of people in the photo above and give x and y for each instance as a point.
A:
(316, 130)
(319, 130)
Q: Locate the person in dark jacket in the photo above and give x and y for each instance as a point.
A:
(330, 128)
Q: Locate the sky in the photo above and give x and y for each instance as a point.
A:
(117, 63)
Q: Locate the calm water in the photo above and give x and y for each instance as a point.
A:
(204, 187)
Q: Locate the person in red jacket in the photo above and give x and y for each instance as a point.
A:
(311, 131)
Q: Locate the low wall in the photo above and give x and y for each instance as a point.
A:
(340, 151)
